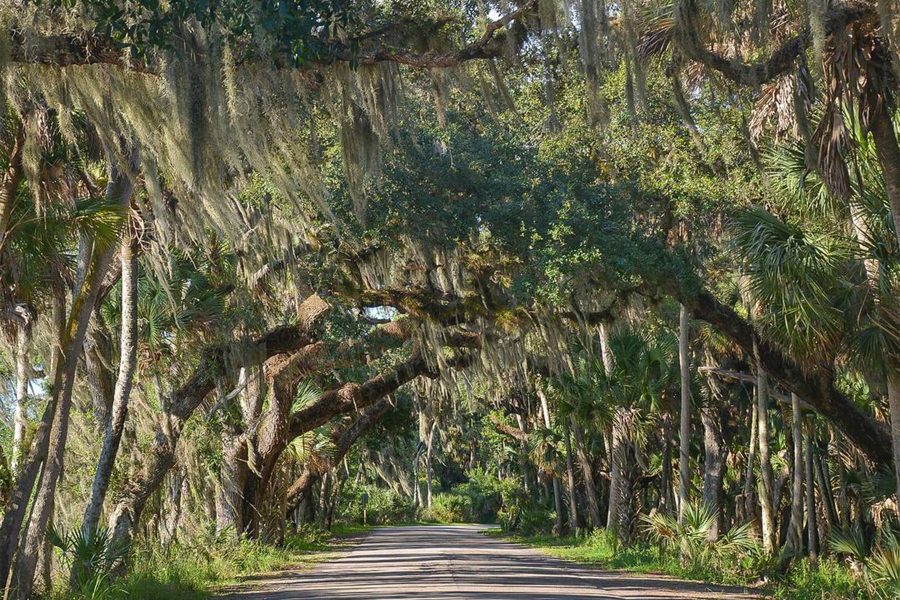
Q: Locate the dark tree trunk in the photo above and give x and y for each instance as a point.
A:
(587, 471)
(667, 491)
(684, 436)
(714, 466)
(811, 526)
(570, 478)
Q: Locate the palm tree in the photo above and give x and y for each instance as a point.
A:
(857, 231)
(684, 440)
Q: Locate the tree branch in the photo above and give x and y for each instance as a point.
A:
(66, 50)
(780, 61)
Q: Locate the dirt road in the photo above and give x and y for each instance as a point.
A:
(461, 563)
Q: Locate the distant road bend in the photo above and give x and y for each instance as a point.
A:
(460, 563)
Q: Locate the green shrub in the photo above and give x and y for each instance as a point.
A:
(485, 494)
(829, 580)
(734, 556)
(477, 500)
(382, 506)
(190, 570)
(521, 512)
(449, 507)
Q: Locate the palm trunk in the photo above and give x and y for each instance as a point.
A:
(843, 497)
(826, 495)
(127, 360)
(557, 488)
(888, 152)
(119, 190)
(428, 469)
(667, 492)
(812, 529)
(684, 439)
(617, 460)
(618, 445)
(416, 491)
(766, 483)
(23, 345)
(587, 471)
(747, 493)
(893, 387)
(14, 514)
(523, 457)
(794, 543)
(714, 467)
(557, 506)
(570, 474)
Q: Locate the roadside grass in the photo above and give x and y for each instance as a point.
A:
(201, 570)
(831, 580)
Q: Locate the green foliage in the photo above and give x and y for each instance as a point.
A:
(477, 500)
(851, 543)
(734, 554)
(448, 507)
(883, 570)
(192, 570)
(298, 31)
(92, 557)
(382, 505)
(880, 566)
(830, 579)
(827, 580)
(521, 512)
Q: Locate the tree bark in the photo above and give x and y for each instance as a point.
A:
(747, 493)
(119, 191)
(127, 361)
(814, 386)
(794, 543)
(557, 488)
(617, 460)
(12, 176)
(590, 484)
(185, 401)
(429, 473)
(14, 514)
(23, 368)
(570, 475)
(232, 477)
(893, 388)
(886, 148)
(766, 481)
(811, 527)
(684, 438)
(343, 440)
(667, 492)
(714, 466)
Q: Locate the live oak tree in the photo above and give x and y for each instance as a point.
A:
(282, 213)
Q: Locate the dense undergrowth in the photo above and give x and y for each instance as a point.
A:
(196, 570)
(831, 579)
